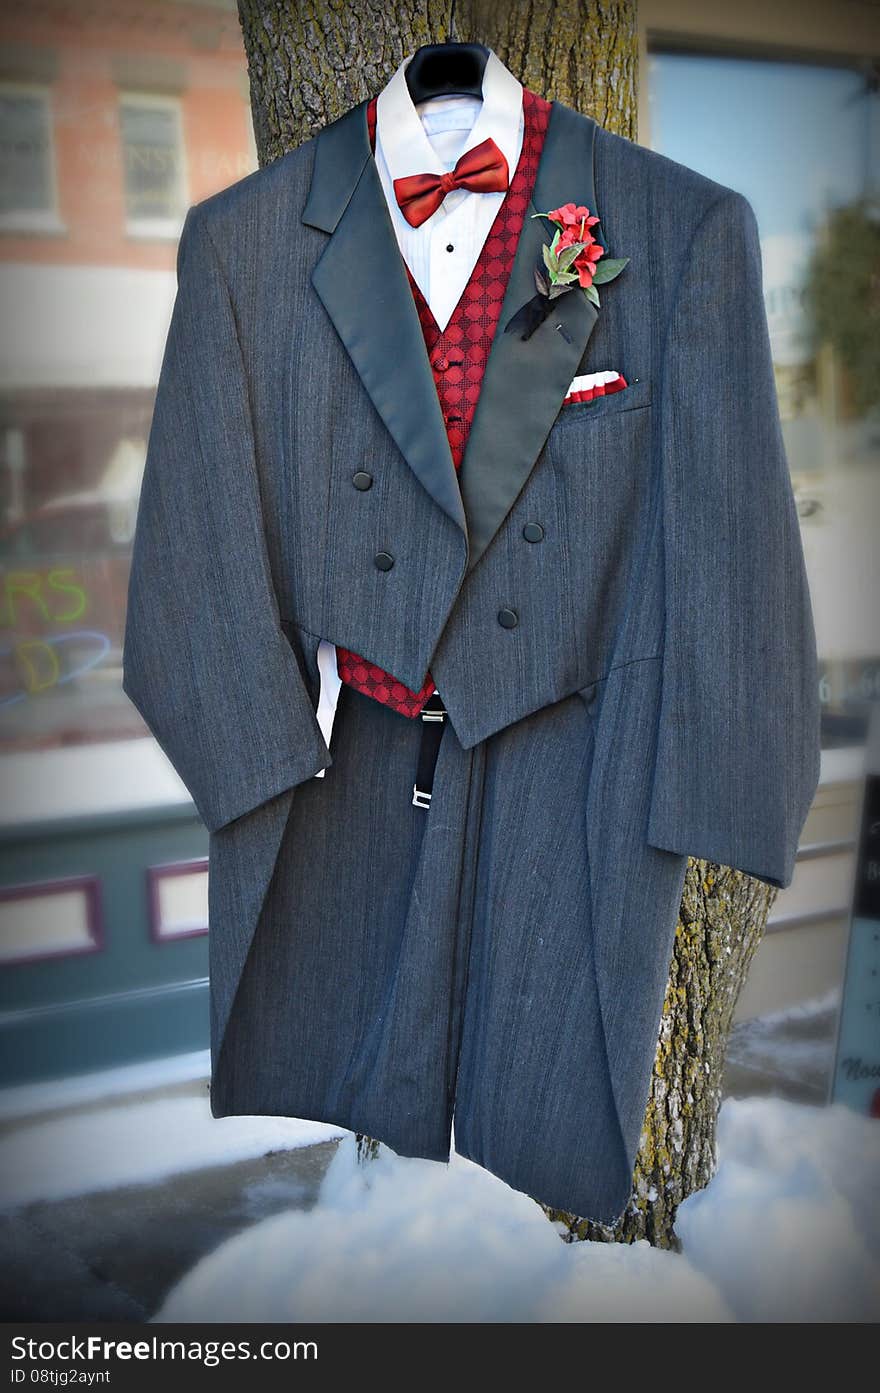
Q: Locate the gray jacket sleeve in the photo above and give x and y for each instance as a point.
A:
(205, 660)
(738, 743)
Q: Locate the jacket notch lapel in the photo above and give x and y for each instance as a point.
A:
(361, 280)
(526, 380)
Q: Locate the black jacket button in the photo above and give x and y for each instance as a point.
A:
(508, 618)
(533, 532)
(384, 560)
(362, 480)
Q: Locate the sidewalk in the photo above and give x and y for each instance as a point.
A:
(114, 1253)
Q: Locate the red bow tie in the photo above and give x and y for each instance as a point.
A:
(482, 169)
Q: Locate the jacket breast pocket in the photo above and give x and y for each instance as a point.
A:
(602, 461)
(633, 397)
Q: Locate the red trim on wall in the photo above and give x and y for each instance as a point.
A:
(164, 872)
(90, 885)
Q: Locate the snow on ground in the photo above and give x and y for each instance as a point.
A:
(148, 1075)
(406, 1239)
(101, 1148)
(789, 1226)
(787, 1230)
(791, 1049)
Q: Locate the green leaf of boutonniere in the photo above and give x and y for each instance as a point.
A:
(555, 274)
(607, 270)
(566, 257)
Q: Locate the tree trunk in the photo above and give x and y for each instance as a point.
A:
(584, 53)
(720, 923)
(308, 63)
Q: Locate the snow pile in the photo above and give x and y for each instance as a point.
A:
(411, 1240)
(788, 1229)
(100, 1148)
(793, 1047)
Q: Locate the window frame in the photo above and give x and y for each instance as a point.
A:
(37, 221)
(155, 229)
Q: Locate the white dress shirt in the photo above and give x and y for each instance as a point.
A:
(441, 252)
(428, 139)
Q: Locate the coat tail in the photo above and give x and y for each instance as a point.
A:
(242, 858)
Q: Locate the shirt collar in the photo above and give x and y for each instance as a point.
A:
(405, 145)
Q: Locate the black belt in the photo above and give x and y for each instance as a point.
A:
(433, 717)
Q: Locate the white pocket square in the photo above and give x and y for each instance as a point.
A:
(594, 384)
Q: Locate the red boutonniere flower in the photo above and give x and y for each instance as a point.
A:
(574, 253)
(571, 259)
(574, 238)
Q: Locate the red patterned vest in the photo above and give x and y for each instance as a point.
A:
(458, 355)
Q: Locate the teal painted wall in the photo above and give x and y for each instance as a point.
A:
(133, 998)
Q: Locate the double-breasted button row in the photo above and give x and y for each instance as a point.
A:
(507, 617)
(383, 560)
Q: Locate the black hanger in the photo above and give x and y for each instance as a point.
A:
(441, 70)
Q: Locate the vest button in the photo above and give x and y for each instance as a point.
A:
(533, 532)
(441, 364)
(508, 618)
(384, 560)
(362, 480)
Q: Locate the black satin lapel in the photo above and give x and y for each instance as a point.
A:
(362, 282)
(526, 380)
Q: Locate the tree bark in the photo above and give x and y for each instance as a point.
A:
(584, 53)
(308, 63)
(720, 923)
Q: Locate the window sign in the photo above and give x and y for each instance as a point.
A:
(856, 1075)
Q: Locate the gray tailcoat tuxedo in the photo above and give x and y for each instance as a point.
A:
(503, 955)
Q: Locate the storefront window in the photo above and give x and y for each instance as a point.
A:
(802, 143)
(111, 128)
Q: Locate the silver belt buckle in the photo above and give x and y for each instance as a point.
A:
(420, 798)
